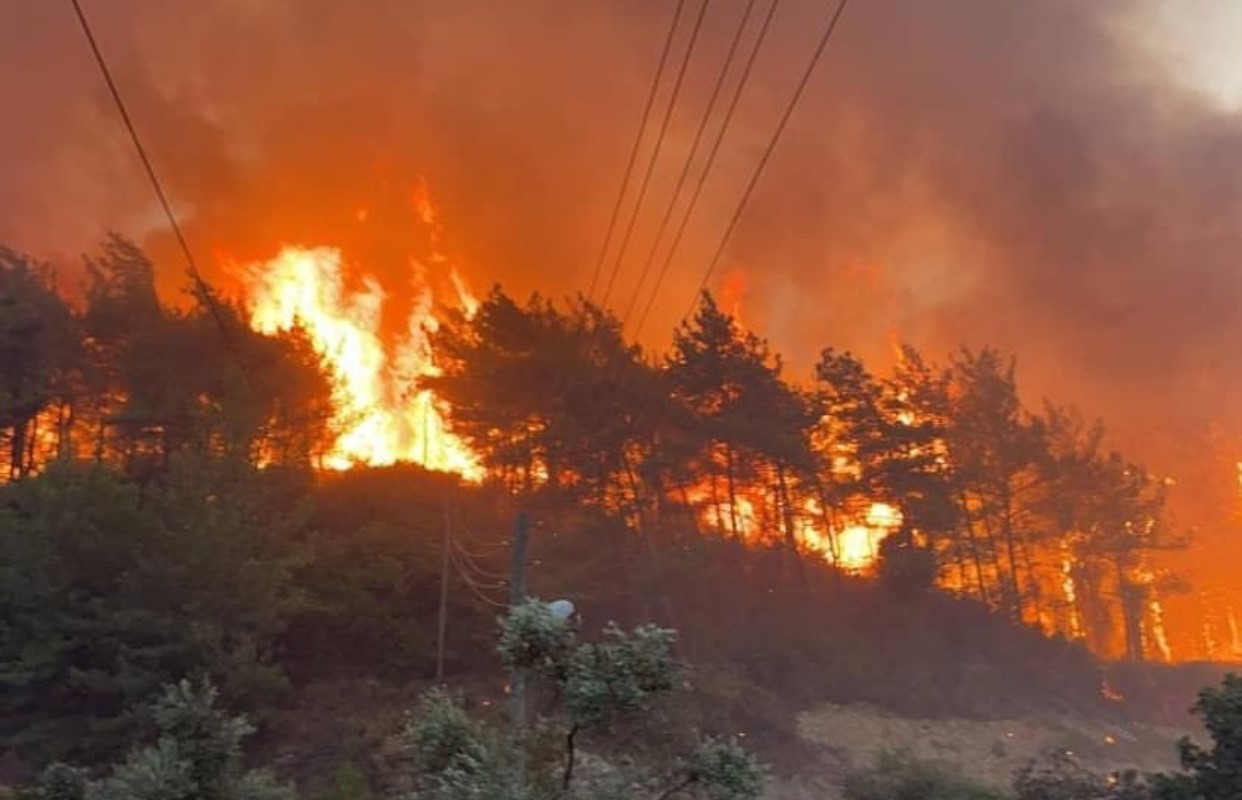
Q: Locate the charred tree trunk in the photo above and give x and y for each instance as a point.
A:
(685, 501)
(830, 529)
(787, 520)
(1131, 597)
(717, 502)
(976, 554)
(65, 431)
(101, 435)
(636, 495)
(17, 450)
(732, 487)
(1017, 604)
(1032, 581)
(32, 443)
(1002, 579)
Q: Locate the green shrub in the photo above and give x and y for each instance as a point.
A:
(196, 756)
(1059, 777)
(598, 685)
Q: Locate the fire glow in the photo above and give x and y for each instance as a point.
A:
(852, 547)
(382, 416)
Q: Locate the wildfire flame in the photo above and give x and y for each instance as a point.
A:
(852, 547)
(380, 412)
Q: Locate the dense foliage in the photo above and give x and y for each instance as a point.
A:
(996, 502)
(1213, 773)
(162, 519)
(594, 687)
(197, 754)
(109, 588)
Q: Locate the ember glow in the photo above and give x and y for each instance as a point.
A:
(852, 546)
(382, 415)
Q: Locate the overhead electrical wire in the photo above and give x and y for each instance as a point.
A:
(569, 377)
(479, 590)
(833, 22)
(474, 547)
(655, 152)
(480, 556)
(195, 274)
(473, 563)
(694, 149)
(707, 166)
(711, 157)
(638, 140)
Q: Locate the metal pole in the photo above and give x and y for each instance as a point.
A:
(517, 681)
(517, 568)
(444, 577)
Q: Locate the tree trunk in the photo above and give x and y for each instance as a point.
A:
(1002, 580)
(1018, 607)
(830, 530)
(636, 497)
(716, 501)
(101, 435)
(32, 442)
(1131, 613)
(17, 449)
(685, 501)
(975, 554)
(787, 519)
(64, 432)
(1032, 581)
(732, 486)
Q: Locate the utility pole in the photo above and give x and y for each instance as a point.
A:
(517, 680)
(444, 578)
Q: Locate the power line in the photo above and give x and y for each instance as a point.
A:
(638, 140)
(442, 616)
(477, 555)
(469, 536)
(744, 78)
(767, 154)
(469, 560)
(568, 379)
(481, 573)
(655, 153)
(477, 589)
(707, 167)
(694, 149)
(195, 274)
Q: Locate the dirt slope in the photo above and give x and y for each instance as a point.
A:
(990, 751)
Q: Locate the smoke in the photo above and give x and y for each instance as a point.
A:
(1028, 175)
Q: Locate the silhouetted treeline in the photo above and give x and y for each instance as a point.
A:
(123, 379)
(163, 516)
(1025, 511)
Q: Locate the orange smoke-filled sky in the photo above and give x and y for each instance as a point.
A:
(1061, 179)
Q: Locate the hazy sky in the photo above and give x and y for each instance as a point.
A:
(1059, 178)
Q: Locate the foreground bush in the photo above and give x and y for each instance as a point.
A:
(595, 687)
(1059, 777)
(197, 755)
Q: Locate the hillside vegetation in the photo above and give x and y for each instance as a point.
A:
(165, 518)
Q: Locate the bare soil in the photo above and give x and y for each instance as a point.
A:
(989, 751)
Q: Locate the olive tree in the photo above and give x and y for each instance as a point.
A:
(594, 686)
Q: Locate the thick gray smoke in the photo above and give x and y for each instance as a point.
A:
(973, 172)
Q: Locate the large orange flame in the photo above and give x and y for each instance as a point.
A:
(381, 413)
